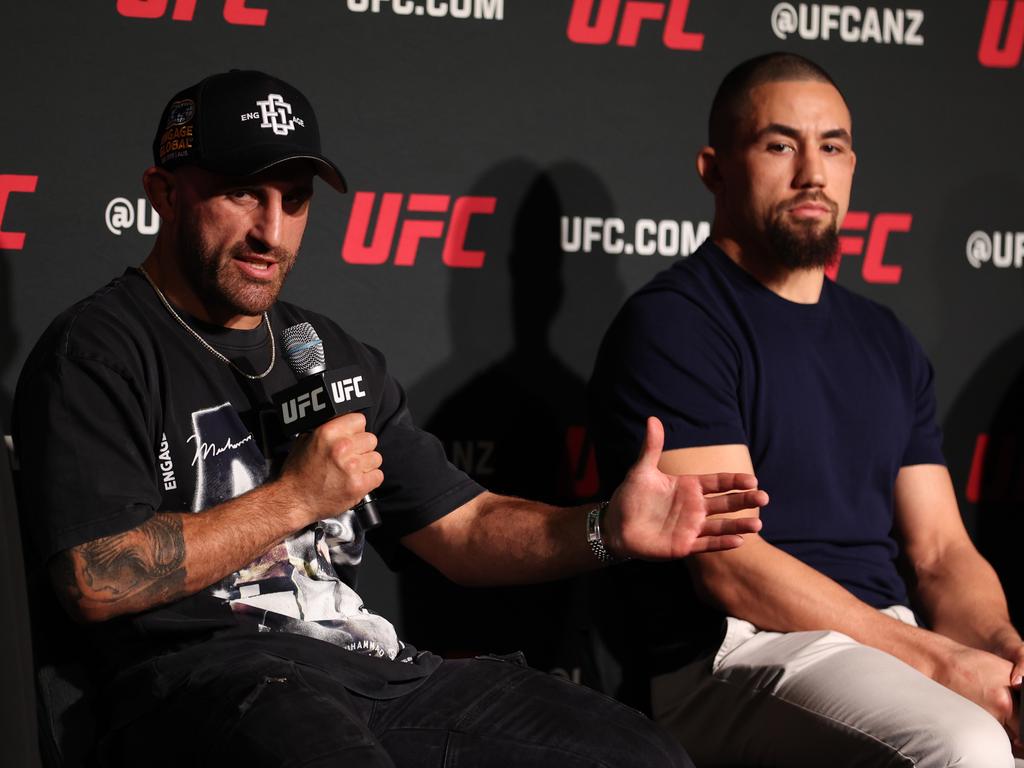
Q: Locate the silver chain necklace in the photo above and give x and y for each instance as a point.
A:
(201, 340)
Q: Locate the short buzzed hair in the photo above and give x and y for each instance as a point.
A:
(730, 99)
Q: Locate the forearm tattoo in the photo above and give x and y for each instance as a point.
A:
(145, 564)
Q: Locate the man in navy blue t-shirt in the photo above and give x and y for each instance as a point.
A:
(800, 648)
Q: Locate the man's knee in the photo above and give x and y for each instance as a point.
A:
(970, 739)
(610, 733)
(607, 732)
(654, 746)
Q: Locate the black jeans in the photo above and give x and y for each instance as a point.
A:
(264, 710)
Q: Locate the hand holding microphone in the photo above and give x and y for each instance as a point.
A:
(326, 405)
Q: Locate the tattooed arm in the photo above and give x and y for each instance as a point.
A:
(142, 567)
(171, 555)
(174, 554)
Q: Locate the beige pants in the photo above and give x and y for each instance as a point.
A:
(819, 699)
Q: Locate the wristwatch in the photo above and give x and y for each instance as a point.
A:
(594, 539)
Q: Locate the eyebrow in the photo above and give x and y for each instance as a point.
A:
(793, 133)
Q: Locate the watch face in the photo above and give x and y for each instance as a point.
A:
(594, 524)
(594, 534)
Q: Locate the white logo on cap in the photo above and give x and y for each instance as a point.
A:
(276, 114)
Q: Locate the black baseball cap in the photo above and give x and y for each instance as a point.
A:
(240, 123)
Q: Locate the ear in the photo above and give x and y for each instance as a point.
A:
(161, 189)
(708, 169)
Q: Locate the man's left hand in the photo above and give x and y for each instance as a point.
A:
(655, 516)
(1014, 653)
(1007, 643)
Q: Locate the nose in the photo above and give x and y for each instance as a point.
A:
(810, 172)
(267, 225)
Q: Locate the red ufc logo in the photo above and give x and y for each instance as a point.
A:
(973, 492)
(583, 480)
(585, 28)
(995, 475)
(235, 11)
(990, 52)
(13, 241)
(362, 248)
(873, 268)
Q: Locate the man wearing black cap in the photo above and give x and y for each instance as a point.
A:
(234, 634)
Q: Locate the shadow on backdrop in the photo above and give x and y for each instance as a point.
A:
(517, 426)
(985, 435)
(8, 341)
(984, 427)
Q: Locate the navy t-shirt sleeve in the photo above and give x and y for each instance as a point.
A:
(667, 357)
(86, 452)
(924, 446)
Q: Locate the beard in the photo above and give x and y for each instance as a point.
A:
(221, 287)
(804, 244)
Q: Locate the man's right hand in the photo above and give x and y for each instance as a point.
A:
(981, 677)
(333, 468)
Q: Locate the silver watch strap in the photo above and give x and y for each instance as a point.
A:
(594, 539)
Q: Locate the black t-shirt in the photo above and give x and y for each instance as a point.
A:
(831, 399)
(120, 413)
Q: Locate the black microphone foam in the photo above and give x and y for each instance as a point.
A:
(321, 395)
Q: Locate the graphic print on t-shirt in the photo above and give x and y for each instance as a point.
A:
(295, 586)
(226, 460)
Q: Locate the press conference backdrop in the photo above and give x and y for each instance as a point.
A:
(518, 168)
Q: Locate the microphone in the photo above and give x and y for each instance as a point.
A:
(320, 395)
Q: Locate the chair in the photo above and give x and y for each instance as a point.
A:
(64, 722)
(17, 727)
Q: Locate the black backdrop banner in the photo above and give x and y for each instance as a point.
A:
(517, 168)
